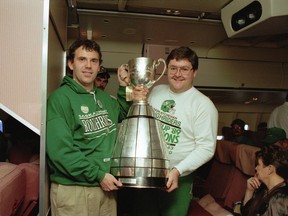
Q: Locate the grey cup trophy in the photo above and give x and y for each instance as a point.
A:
(140, 154)
(142, 70)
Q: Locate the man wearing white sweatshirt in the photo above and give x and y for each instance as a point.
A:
(279, 117)
(189, 121)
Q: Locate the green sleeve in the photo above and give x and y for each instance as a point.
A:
(124, 105)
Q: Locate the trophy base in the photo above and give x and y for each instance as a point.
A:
(143, 182)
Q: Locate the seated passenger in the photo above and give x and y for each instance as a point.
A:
(267, 191)
(238, 134)
(274, 136)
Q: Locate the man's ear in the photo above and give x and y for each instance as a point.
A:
(195, 73)
(70, 65)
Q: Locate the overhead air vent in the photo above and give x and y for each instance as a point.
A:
(246, 16)
(242, 18)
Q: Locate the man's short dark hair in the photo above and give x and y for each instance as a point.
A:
(184, 53)
(239, 122)
(103, 73)
(89, 45)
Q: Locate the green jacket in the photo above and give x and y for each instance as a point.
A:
(81, 132)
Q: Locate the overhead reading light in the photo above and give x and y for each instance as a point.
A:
(173, 12)
(241, 22)
(246, 16)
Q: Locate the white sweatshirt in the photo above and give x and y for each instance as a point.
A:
(189, 122)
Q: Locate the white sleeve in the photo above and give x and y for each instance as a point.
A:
(205, 133)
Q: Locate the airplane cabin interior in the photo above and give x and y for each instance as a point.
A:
(243, 68)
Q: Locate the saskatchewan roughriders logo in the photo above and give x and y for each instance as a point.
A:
(168, 105)
(85, 109)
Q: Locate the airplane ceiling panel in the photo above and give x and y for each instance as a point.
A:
(172, 22)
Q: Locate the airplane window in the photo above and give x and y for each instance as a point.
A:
(246, 127)
(220, 137)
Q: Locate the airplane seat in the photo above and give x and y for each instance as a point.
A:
(196, 209)
(232, 165)
(236, 189)
(219, 180)
(12, 192)
(27, 180)
(246, 158)
(32, 187)
(24, 157)
(244, 169)
(207, 206)
(227, 133)
(23, 152)
(222, 171)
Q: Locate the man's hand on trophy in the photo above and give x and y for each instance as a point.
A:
(123, 76)
(139, 93)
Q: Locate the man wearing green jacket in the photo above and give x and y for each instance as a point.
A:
(81, 133)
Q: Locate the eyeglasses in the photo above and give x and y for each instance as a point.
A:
(183, 70)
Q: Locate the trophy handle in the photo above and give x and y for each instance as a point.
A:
(157, 64)
(125, 66)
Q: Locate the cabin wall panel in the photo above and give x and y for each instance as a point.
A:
(115, 54)
(264, 117)
(235, 74)
(225, 119)
(21, 29)
(56, 61)
(157, 51)
(115, 60)
(59, 16)
(233, 51)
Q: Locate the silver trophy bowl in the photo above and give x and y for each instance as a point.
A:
(142, 71)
